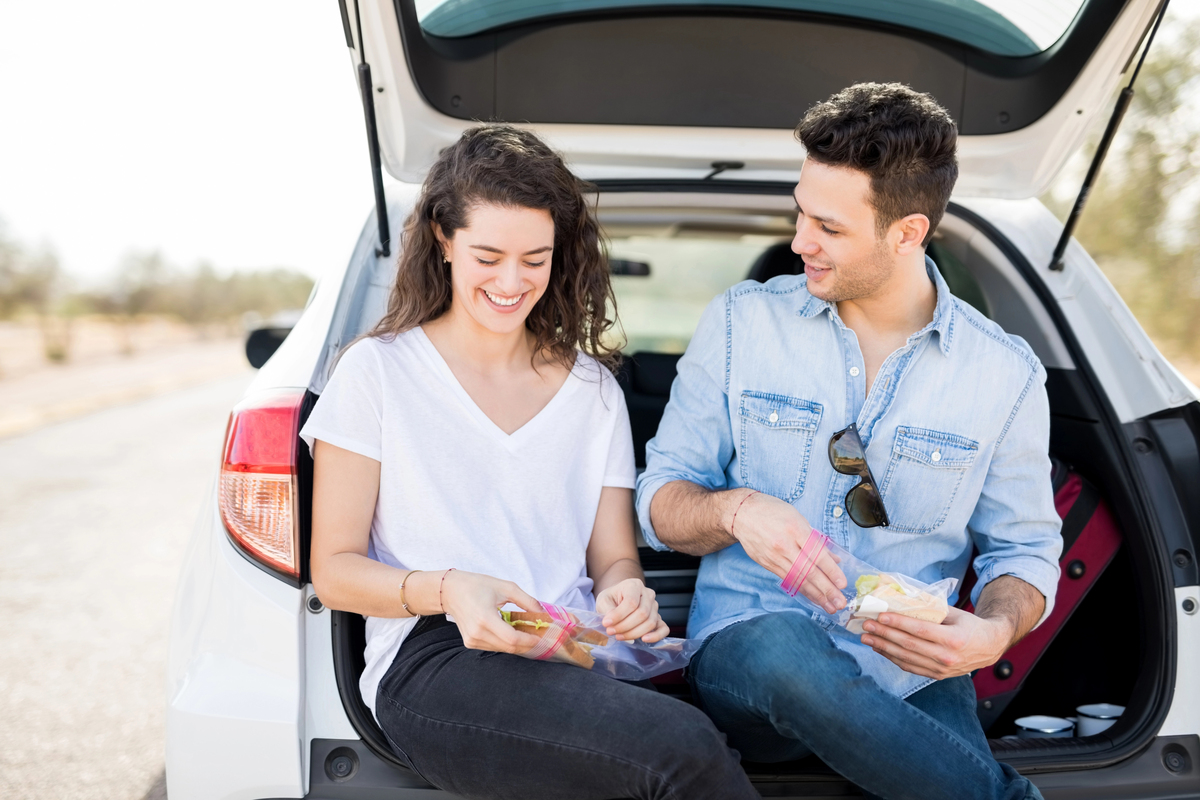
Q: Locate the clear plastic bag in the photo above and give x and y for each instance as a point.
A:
(869, 591)
(576, 636)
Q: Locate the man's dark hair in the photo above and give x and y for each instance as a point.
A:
(902, 139)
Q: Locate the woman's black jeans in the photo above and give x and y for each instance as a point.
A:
(492, 725)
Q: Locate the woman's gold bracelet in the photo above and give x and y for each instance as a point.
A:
(403, 604)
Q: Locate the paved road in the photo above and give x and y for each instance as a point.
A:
(94, 516)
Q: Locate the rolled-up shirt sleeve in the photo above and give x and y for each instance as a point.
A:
(694, 441)
(1015, 526)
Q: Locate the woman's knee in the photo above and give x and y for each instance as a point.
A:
(687, 751)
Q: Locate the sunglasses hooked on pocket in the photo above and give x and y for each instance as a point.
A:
(848, 457)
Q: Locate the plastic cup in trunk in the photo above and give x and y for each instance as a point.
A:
(1097, 718)
(1040, 727)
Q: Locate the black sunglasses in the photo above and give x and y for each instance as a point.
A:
(849, 457)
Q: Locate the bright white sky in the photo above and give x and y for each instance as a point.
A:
(218, 130)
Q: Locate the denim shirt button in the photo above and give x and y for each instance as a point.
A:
(837, 511)
(775, 418)
(854, 372)
(936, 456)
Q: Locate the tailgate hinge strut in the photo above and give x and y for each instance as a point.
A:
(1110, 132)
(368, 101)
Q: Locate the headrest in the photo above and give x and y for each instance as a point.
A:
(649, 373)
(778, 259)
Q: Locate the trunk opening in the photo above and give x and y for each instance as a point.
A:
(1110, 649)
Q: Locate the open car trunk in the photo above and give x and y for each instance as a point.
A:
(678, 244)
(665, 88)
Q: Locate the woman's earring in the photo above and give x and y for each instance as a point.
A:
(445, 259)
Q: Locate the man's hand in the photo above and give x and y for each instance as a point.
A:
(772, 532)
(959, 646)
(1008, 609)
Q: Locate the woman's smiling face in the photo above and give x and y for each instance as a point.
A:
(500, 264)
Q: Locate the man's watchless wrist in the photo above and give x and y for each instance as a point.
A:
(1007, 630)
(734, 502)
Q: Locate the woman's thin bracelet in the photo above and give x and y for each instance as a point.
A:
(441, 585)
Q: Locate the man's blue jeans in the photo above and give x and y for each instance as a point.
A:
(780, 689)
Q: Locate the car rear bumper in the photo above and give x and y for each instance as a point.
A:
(1167, 770)
(235, 676)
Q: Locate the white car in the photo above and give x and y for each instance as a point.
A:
(682, 113)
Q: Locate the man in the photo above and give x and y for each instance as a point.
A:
(955, 421)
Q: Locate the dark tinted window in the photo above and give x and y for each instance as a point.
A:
(1003, 27)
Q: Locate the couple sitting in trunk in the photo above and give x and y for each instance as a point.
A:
(474, 451)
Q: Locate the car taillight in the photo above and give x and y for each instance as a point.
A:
(258, 480)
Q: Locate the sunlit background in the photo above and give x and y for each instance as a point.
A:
(174, 173)
(172, 170)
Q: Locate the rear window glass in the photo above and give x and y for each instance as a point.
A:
(1004, 27)
(659, 311)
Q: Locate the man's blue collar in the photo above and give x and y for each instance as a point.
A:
(943, 313)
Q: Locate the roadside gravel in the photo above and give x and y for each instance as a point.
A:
(95, 513)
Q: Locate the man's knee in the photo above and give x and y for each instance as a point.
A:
(773, 647)
(774, 661)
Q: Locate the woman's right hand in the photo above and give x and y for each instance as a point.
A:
(474, 601)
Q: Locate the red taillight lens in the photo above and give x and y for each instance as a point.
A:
(258, 480)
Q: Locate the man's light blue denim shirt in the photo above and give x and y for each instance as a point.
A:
(957, 430)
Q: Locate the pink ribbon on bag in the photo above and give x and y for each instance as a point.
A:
(548, 645)
(804, 562)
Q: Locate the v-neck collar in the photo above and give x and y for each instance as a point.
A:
(510, 440)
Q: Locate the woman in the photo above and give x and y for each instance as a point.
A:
(474, 451)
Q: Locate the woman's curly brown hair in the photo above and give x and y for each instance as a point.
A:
(506, 166)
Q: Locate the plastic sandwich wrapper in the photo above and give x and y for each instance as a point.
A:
(575, 636)
(869, 591)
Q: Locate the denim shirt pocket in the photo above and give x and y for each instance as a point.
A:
(777, 440)
(923, 477)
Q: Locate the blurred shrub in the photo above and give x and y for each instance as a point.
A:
(144, 284)
(28, 281)
(147, 284)
(33, 285)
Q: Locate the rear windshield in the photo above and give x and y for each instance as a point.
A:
(1003, 27)
(687, 257)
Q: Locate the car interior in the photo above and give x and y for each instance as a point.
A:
(677, 250)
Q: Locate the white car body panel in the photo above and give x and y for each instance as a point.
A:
(234, 676)
(325, 716)
(1019, 164)
(1184, 717)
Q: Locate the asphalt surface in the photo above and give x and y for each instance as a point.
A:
(95, 513)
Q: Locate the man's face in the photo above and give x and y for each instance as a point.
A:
(835, 234)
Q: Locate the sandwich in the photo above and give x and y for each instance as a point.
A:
(574, 643)
(880, 593)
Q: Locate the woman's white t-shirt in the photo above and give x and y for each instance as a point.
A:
(456, 491)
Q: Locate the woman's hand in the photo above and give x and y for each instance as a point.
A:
(631, 612)
(474, 600)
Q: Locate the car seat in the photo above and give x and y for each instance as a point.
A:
(646, 379)
(778, 259)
